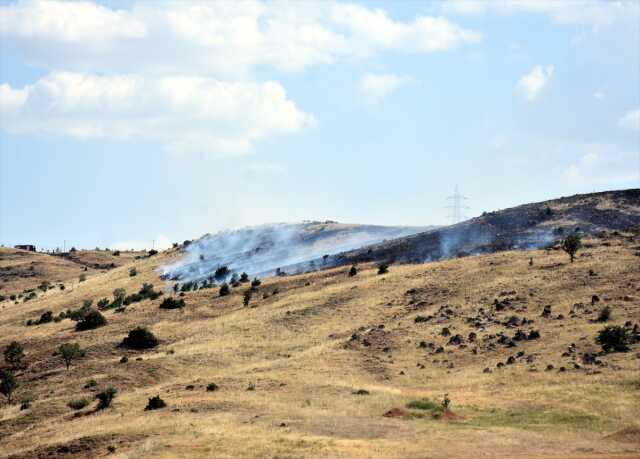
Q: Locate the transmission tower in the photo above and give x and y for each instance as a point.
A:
(457, 206)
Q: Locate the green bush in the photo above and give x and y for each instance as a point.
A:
(133, 272)
(91, 383)
(106, 397)
(571, 244)
(140, 338)
(614, 339)
(224, 289)
(103, 303)
(353, 271)
(604, 315)
(247, 297)
(383, 269)
(255, 283)
(91, 321)
(78, 403)
(45, 318)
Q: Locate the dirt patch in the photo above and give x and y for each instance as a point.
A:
(396, 413)
(88, 447)
(450, 416)
(626, 435)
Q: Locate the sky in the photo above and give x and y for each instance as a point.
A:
(127, 124)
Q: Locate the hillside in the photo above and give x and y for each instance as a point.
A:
(261, 250)
(528, 226)
(330, 365)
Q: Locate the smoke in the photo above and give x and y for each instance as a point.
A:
(261, 250)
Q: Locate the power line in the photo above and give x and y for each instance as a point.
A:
(457, 207)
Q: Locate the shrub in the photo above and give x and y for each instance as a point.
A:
(255, 282)
(172, 303)
(44, 286)
(604, 315)
(82, 278)
(244, 277)
(103, 303)
(91, 383)
(116, 253)
(152, 252)
(25, 404)
(133, 272)
(224, 289)
(2, 298)
(140, 338)
(14, 355)
(212, 387)
(155, 403)
(105, 398)
(221, 273)
(12, 297)
(571, 244)
(80, 313)
(70, 352)
(8, 384)
(614, 339)
(383, 269)
(45, 318)
(91, 321)
(78, 403)
(119, 295)
(247, 297)
(353, 271)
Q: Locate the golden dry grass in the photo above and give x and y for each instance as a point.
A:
(296, 348)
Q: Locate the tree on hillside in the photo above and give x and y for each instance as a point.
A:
(70, 352)
(14, 355)
(8, 384)
(571, 244)
(119, 295)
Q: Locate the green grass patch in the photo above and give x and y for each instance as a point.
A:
(537, 418)
(425, 406)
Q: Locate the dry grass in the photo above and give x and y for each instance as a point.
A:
(295, 348)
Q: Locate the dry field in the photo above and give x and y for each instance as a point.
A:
(307, 351)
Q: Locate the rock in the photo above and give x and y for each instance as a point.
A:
(511, 360)
(594, 299)
(487, 370)
(456, 340)
(533, 334)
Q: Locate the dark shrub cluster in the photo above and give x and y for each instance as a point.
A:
(146, 292)
(92, 320)
(45, 318)
(155, 403)
(106, 397)
(224, 289)
(140, 338)
(353, 271)
(383, 269)
(172, 303)
(614, 339)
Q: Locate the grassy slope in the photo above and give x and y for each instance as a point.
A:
(295, 348)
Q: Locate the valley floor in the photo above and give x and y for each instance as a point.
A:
(329, 365)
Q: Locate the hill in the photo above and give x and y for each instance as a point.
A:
(325, 364)
(261, 250)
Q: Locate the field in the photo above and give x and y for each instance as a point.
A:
(328, 365)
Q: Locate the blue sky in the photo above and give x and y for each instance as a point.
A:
(128, 122)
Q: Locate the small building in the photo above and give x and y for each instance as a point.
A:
(29, 247)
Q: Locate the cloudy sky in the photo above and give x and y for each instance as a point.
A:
(126, 122)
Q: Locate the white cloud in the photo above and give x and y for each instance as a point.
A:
(600, 95)
(185, 114)
(595, 13)
(602, 164)
(532, 84)
(630, 120)
(213, 38)
(375, 87)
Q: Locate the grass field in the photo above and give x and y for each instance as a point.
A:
(306, 351)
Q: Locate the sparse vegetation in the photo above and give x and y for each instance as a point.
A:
(14, 355)
(255, 283)
(78, 403)
(353, 271)
(247, 297)
(224, 289)
(133, 272)
(383, 268)
(604, 315)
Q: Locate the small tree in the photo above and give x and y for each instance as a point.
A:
(604, 315)
(244, 277)
(106, 397)
(224, 289)
(155, 403)
(383, 268)
(247, 297)
(571, 244)
(70, 352)
(8, 384)
(353, 271)
(119, 295)
(133, 272)
(255, 283)
(14, 355)
(140, 338)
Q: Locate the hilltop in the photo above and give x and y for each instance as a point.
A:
(328, 364)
